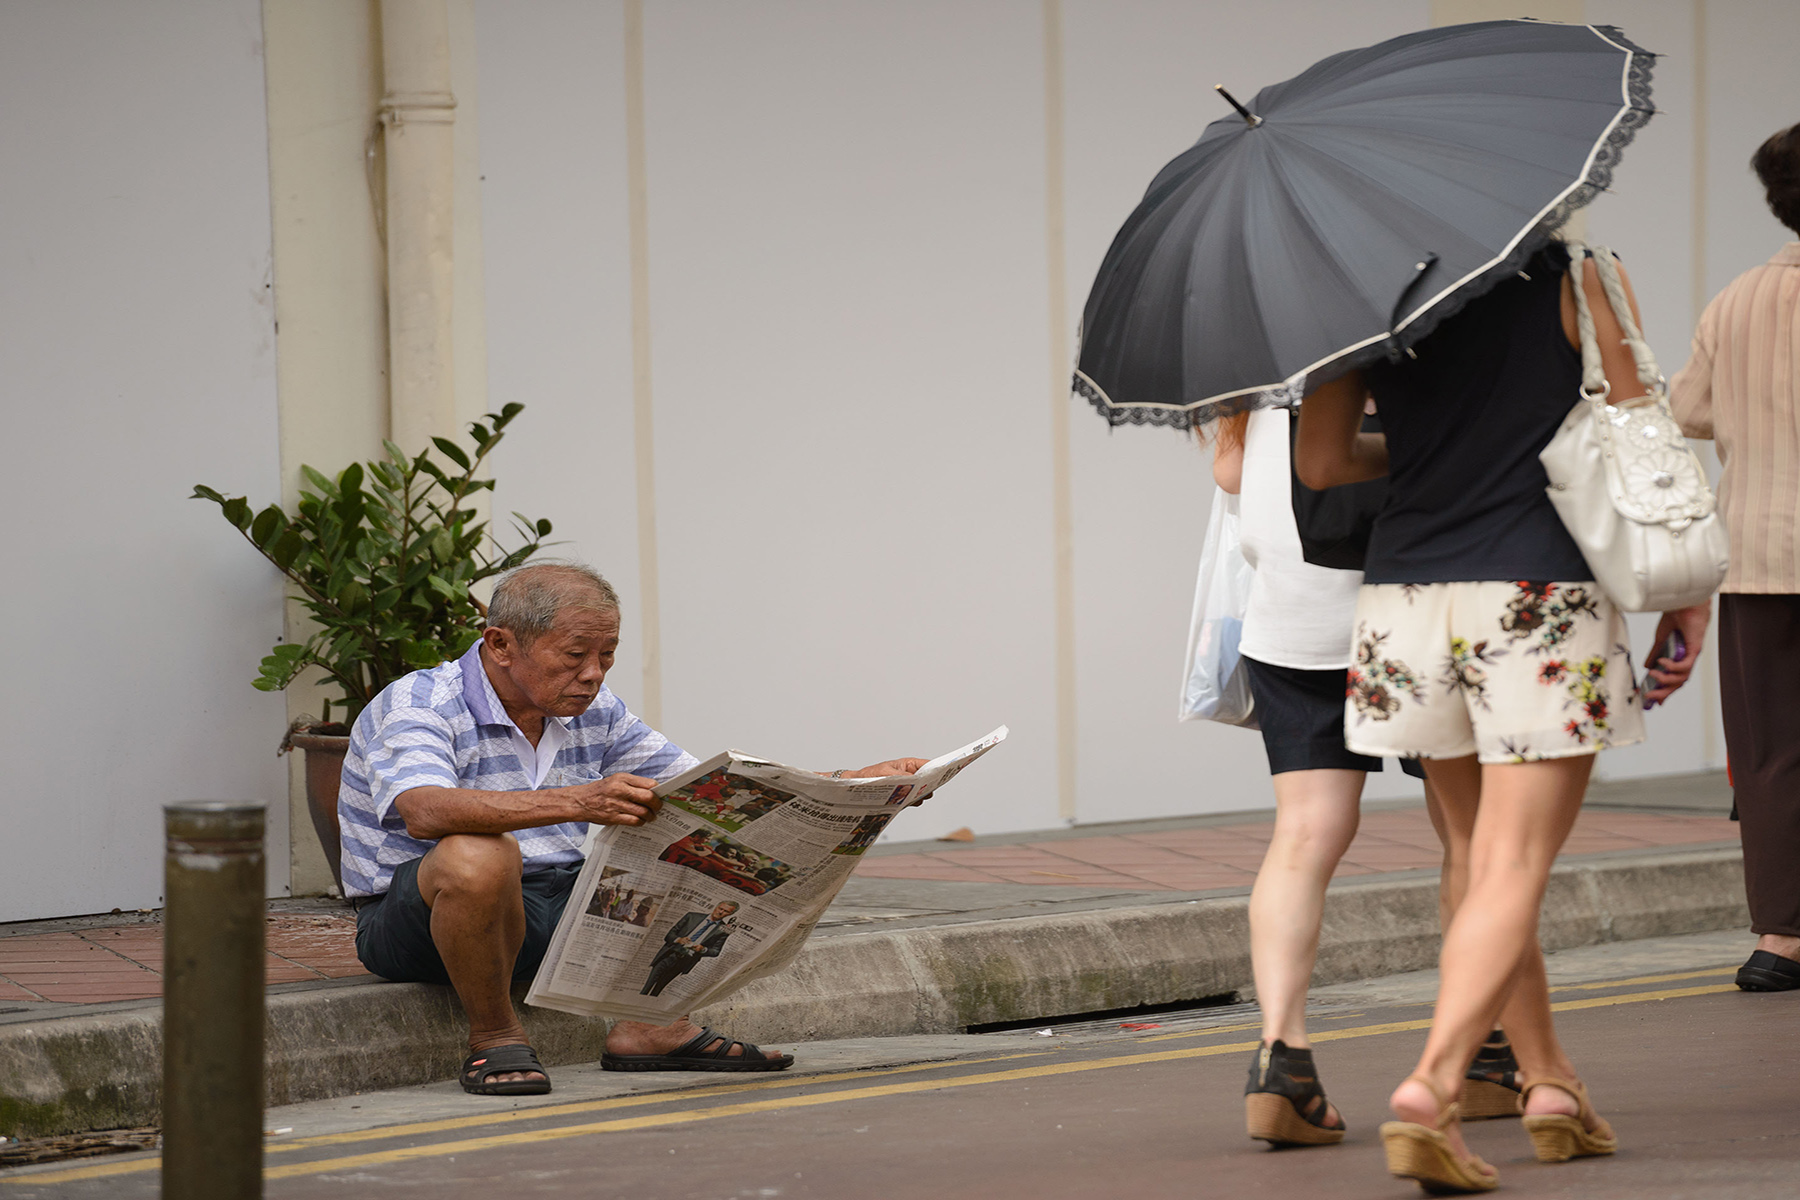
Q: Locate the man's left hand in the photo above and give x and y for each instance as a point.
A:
(893, 766)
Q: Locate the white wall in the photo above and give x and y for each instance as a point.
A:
(848, 285)
(137, 345)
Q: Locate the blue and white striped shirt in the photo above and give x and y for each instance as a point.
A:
(447, 728)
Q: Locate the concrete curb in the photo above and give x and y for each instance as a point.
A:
(102, 1070)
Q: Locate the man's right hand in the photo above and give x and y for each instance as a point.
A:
(617, 800)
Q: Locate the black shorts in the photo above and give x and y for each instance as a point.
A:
(393, 930)
(1302, 719)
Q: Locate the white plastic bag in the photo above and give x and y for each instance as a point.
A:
(1216, 686)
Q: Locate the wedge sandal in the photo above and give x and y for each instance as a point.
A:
(1284, 1104)
(1492, 1086)
(1558, 1137)
(1424, 1154)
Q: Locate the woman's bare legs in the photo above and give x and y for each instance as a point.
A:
(1524, 812)
(1315, 819)
(1452, 797)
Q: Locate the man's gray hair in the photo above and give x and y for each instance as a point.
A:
(528, 598)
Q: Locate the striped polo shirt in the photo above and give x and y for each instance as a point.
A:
(447, 728)
(1741, 388)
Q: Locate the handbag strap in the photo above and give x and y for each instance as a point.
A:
(1594, 384)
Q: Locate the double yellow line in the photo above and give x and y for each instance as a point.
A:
(780, 1103)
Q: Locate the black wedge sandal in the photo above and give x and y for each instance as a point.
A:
(1491, 1088)
(1283, 1102)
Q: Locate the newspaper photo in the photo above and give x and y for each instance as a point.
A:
(723, 887)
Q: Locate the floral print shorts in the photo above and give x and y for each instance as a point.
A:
(1508, 672)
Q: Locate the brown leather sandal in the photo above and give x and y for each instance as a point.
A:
(1558, 1137)
(1424, 1154)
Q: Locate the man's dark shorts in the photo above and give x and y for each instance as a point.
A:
(393, 930)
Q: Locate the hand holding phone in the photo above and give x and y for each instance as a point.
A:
(1674, 648)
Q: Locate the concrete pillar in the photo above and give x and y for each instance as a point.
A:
(418, 113)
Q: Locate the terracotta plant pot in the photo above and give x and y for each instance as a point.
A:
(324, 765)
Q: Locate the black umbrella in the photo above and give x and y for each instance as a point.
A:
(1341, 215)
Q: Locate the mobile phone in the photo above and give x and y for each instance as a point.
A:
(1674, 648)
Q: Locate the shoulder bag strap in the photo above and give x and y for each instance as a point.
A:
(1606, 264)
(1593, 376)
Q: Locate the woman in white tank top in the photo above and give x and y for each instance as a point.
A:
(1297, 644)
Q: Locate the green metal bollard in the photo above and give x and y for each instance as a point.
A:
(213, 952)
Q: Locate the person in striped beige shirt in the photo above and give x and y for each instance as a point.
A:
(1741, 388)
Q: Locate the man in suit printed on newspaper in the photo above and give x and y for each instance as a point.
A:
(696, 936)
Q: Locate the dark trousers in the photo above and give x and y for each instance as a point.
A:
(1759, 678)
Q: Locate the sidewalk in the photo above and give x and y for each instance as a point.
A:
(926, 937)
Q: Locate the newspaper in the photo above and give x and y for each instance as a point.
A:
(723, 887)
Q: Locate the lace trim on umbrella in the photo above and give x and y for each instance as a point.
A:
(1638, 111)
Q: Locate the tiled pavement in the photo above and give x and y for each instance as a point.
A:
(93, 962)
(1223, 856)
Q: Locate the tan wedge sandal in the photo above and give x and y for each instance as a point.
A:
(1424, 1154)
(1558, 1137)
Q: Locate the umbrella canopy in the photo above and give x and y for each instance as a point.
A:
(1350, 210)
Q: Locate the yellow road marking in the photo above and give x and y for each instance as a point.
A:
(670, 1096)
(1716, 972)
(689, 1116)
(632, 1101)
(1194, 1033)
(1636, 997)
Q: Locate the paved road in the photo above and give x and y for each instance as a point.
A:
(1696, 1076)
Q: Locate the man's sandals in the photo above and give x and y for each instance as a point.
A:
(700, 1053)
(479, 1069)
(1284, 1104)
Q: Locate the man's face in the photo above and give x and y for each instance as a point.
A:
(724, 910)
(561, 672)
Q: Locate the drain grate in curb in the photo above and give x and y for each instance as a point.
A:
(26, 1153)
(1109, 1018)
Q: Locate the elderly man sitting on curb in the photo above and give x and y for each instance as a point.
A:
(467, 794)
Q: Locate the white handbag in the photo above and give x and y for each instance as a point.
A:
(1215, 686)
(1623, 479)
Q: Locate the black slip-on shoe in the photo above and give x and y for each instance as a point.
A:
(1766, 972)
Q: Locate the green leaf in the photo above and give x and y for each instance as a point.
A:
(441, 587)
(325, 486)
(268, 522)
(237, 511)
(451, 451)
(543, 527)
(350, 478)
(202, 492)
(287, 550)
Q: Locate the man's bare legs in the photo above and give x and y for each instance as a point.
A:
(1315, 820)
(471, 884)
(1523, 814)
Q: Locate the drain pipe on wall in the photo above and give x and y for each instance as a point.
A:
(417, 114)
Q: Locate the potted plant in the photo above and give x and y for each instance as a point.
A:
(383, 558)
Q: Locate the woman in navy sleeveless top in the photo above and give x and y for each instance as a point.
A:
(1483, 646)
